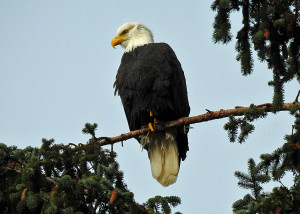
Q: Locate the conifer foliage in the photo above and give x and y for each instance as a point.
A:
(273, 167)
(71, 178)
(271, 28)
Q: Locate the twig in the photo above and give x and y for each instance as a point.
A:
(209, 111)
(296, 99)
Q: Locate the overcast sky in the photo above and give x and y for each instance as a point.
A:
(57, 69)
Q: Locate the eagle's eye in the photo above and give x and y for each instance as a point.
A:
(124, 32)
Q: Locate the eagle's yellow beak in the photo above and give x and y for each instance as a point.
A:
(118, 40)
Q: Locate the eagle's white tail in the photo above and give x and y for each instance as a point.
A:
(163, 155)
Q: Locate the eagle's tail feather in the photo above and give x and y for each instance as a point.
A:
(163, 155)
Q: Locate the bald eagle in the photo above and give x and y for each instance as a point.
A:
(152, 87)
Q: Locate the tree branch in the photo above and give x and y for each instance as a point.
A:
(210, 115)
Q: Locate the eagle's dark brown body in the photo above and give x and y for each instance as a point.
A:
(150, 78)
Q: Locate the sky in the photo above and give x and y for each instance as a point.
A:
(57, 70)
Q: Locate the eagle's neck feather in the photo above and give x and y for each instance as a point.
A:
(136, 43)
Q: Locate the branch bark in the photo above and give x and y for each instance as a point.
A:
(210, 115)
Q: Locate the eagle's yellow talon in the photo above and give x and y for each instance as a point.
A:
(151, 127)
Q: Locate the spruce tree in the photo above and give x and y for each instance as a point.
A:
(57, 178)
(271, 29)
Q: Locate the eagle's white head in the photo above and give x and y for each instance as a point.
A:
(131, 35)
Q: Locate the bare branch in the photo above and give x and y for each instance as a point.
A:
(210, 115)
